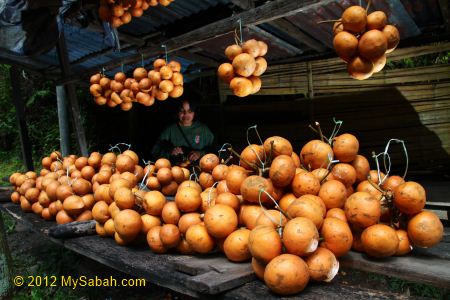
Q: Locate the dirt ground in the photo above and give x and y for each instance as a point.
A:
(34, 255)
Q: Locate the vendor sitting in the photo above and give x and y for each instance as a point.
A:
(186, 140)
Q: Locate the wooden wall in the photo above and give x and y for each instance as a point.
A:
(411, 104)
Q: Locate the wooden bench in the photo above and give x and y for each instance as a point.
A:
(213, 274)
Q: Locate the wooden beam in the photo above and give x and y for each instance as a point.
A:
(291, 49)
(198, 58)
(244, 4)
(299, 35)
(29, 64)
(265, 13)
(21, 119)
(71, 92)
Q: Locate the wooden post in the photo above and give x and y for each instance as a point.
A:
(5, 263)
(222, 99)
(21, 120)
(71, 93)
(63, 121)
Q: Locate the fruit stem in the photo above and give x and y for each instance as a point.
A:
(261, 142)
(209, 193)
(138, 200)
(337, 127)
(328, 21)
(329, 170)
(319, 131)
(368, 5)
(193, 174)
(375, 186)
(224, 149)
(142, 184)
(228, 159)
(253, 166)
(386, 154)
(116, 146)
(276, 205)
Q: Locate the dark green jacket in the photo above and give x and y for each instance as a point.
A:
(198, 134)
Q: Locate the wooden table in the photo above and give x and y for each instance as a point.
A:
(200, 276)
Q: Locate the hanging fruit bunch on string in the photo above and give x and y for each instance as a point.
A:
(362, 40)
(247, 65)
(164, 81)
(120, 12)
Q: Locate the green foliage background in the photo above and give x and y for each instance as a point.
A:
(42, 120)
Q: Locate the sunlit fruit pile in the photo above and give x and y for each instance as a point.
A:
(120, 12)
(293, 215)
(247, 65)
(363, 41)
(68, 187)
(162, 82)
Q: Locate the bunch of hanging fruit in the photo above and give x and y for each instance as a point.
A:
(120, 12)
(247, 65)
(362, 40)
(164, 81)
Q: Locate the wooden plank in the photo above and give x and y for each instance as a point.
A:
(398, 54)
(333, 290)
(137, 261)
(430, 270)
(5, 193)
(214, 274)
(214, 282)
(33, 65)
(73, 229)
(16, 96)
(30, 220)
(199, 265)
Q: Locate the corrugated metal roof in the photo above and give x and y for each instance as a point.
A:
(159, 16)
(424, 12)
(412, 17)
(217, 45)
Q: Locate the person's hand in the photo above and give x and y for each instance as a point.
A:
(177, 151)
(194, 155)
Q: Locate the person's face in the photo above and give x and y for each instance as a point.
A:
(185, 115)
